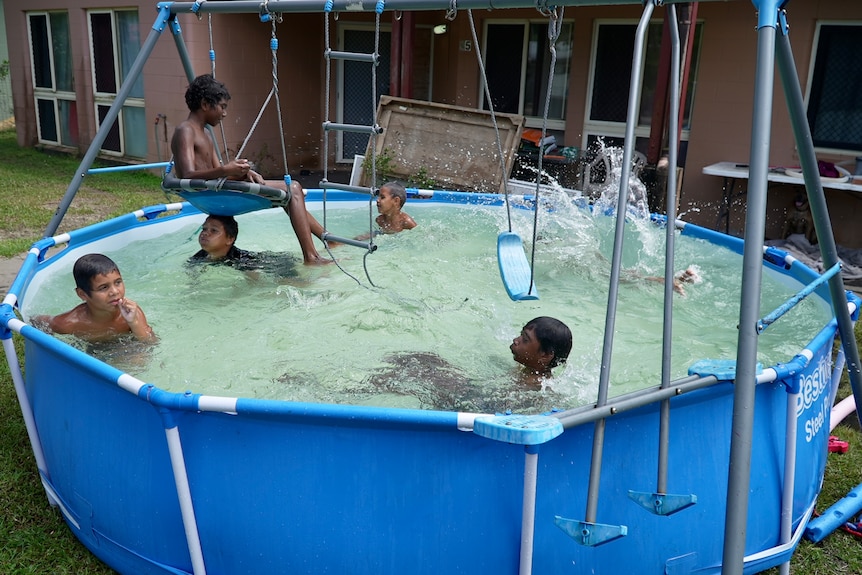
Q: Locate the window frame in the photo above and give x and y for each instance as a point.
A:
(810, 80)
(52, 95)
(530, 121)
(599, 128)
(344, 28)
(106, 99)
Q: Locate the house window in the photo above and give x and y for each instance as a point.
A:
(53, 78)
(517, 67)
(115, 42)
(835, 88)
(610, 75)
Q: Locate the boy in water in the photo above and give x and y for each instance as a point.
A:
(106, 313)
(195, 158)
(217, 238)
(390, 202)
(544, 343)
(687, 276)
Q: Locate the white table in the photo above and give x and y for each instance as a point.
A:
(733, 172)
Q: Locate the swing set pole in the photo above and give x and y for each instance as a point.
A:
(108, 122)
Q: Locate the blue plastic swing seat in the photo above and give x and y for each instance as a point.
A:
(224, 202)
(226, 198)
(514, 268)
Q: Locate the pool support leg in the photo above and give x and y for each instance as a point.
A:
(21, 393)
(181, 479)
(529, 431)
(588, 532)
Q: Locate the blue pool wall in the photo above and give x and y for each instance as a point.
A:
(282, 487)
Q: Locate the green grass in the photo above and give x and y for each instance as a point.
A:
(36, 181)
(33, 537)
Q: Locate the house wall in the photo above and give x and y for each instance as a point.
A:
(720, 122)
(723, 109)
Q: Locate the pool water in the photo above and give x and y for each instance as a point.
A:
(432, 327)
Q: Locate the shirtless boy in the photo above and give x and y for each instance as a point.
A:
(544, 343)
(195, 158)
(390, 202)
(106, 313)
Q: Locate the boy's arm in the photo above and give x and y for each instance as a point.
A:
(137, 321)
(185, 159)
(64, 323)
(42, 323)
(408, 222)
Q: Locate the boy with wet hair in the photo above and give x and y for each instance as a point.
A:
(106, 313)
(544, 343)
(195, 157)
(390, 202)
(217, 239)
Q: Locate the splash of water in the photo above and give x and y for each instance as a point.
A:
(637, 206)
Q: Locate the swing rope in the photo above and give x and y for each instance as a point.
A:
(555, 26)
(517, 273)
(274, 19)
(213, 72)
(454, 10)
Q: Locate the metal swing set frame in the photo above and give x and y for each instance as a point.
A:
(773, 50)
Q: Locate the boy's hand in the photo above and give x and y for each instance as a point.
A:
(237, 169)
(134, 316)
(129, 310)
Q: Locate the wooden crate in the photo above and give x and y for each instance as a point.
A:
(453, 145)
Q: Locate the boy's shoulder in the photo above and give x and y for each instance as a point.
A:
(69, 321)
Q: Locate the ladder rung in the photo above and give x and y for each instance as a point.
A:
(327, 126)
(327, 237)
(346, 188)
(353, 56)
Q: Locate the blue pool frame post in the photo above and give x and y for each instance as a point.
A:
(531, 431)
(24, 400)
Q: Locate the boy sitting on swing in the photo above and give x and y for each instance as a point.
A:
(195, 158)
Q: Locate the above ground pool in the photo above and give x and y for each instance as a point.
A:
(222, 469)
(366, 418)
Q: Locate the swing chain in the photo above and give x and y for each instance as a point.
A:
(266, 15)
(555, 25)
(452, 12)
(196, 7)
(543, 9)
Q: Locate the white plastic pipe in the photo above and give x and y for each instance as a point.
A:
(528, 518)
(841, 410)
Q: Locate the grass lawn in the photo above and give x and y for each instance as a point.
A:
(33, 537)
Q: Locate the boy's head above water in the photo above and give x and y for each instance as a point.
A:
(544, 343)
(87, 267)
(218, 234)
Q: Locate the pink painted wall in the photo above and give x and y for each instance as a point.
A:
(720, 125)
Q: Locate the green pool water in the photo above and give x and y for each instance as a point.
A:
(432, 327)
